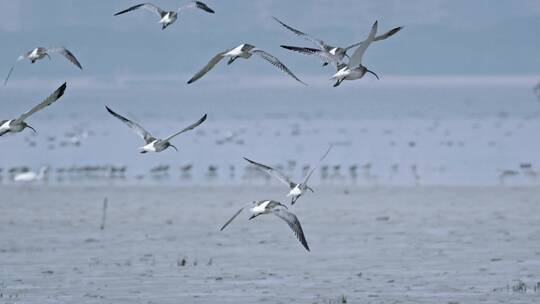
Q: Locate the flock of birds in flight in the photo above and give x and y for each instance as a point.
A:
(352, 70)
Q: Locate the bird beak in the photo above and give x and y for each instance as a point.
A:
(309, 188)
(29, 126)
(370, 71)
(252, 217)
(173, 147)
(48, 56)
(347, 56)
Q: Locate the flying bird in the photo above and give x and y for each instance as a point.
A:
(153, 144)
(167, 18)
(40, 53)
(296, 190)
(354, 68)
(243, 51)
(328, 53)
(277, 209)
(19, 124)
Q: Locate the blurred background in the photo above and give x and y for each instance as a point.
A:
(455, 103)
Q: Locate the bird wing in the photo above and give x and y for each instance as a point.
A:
(306, 179)
(324, 56)
(145, 135)
(293, 222)
(48, 101)
(356, 58)
(197, 4)
(317, 42)
(275, 62)
(191, 127)
(67, 54)
(378, 38)
(207, 67)
(147, 6)
(271, 171)
(12, 67)
(388, 34)
(232, 218)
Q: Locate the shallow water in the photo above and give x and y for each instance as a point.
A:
(371, 245)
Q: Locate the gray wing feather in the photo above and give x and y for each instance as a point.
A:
(275, 62)
(356, 58)
(145, 135)
(294, 223)
(313, 169)
(378, 38)
(12, 67)
(232, 218)
(314, 40)
(47, 102)
(197, 4)
(273, 172)
(148, 6)
(207, 67)
(67, 54)
(191, 127)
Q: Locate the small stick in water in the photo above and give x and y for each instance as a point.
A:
(104, 215)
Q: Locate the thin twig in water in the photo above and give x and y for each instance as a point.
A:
(104, 214)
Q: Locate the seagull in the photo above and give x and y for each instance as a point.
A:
(296, 190)
(31, 176)
(17, 125)
(354, 69)
(242, 51)
(279, 210)
(153, 144)
(167, 18)
(40, 53)
(328, 53)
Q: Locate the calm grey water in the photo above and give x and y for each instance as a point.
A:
(393, 135)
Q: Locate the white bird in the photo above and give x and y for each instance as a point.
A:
(40, 53)
(31, 176)
(17, 125)
(354, 68)
(243, 51)
(328, 53)
(153, 144)
(277, 209)
(167, 18)
(296, 190)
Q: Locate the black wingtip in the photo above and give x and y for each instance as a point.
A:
(191, 81)
(62, 89)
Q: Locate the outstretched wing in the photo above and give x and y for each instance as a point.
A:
(207, 67)
(197, 4)
(356, 58)
(275, 62)
(232, 218)
(145, 135)
(306, 179)
(47, 102)
(294, 223)
(191, 127)
(378, 38)
(314, 40)
(67, 54)
(271, 171)
(148, 6)
(324, 56)
(12, 67)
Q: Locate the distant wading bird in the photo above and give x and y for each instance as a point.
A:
(296, 190)
(167, 18)
(354, 69)
(153, 144)
(242, 51)
(277, 209)
(328, 53)
(17, 125)
(27, 177)
(40, 53)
